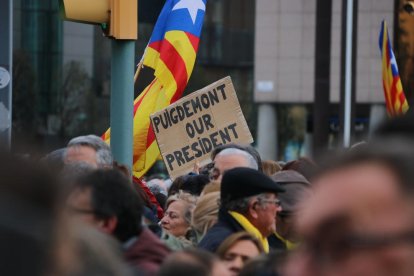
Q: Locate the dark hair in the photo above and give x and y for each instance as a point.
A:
(303, 165)
(194, 184)
(190, 261)
(176, 185)
(112, 195)
(190, 183)
(240, 205)
(161, 199)
(264, 265)
(247, 148)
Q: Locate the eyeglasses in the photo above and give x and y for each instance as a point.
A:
(276, 202)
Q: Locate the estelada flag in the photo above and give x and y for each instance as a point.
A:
(395, 100)
(171, 52)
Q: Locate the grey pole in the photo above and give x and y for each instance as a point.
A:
(348, 73)
(122, 100)
(6, 61)
(267, 130)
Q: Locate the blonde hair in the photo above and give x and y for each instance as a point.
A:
(213, 186)
(270, 167)
(189, 201)
(205, 213)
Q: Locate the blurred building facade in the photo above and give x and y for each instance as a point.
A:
(285, 72)
(38, 56)
(68, 65)
(266, 46)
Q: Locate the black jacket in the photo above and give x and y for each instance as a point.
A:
(276, 244)
(225, 226)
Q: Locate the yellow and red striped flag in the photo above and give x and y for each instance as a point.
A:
(395, 100)
(171, 52)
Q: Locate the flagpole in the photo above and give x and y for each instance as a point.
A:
(348, 73)
(122, 100)
(139, 67)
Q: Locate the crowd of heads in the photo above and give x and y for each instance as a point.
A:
(78, 212)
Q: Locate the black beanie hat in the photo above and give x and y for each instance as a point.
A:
(243, 182)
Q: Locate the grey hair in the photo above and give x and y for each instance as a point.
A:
(103, 151)
(155, 188)
(251, 161)
(241, 205)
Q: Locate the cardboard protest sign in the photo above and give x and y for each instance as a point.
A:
(188, 130)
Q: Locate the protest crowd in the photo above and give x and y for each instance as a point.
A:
(78, 212)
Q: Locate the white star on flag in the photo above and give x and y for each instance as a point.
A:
(393, 61)
(192, 6)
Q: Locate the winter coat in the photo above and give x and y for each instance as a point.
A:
(146, 253)
(225, 226)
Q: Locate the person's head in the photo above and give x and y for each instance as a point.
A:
(249, 149)
(270, 167)
(303, 165)
(205, 213)
(90, 149)
(360, 218)
(192, 262)
(194, 184)
(253, 195)
(29, 216)
(158, 189)
(177, 217)
(237, 249)
(271, 264)
(297, 188)
(213, 186)
(230, 158)
(190, 183)
(259, 266)
(54, 159)
(156, 186)
(176, 185)
(105, 199)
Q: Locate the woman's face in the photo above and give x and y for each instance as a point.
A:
(239, 254)
(173, 221)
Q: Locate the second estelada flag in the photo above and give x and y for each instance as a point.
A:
(395, 100)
